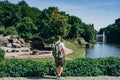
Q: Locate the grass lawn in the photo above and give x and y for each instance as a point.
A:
(78, 51)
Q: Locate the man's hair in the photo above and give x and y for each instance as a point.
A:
(58, 37)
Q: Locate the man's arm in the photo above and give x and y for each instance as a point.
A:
(64, 52)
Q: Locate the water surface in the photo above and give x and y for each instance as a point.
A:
(103, 50)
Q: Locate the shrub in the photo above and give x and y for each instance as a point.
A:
(21, 68)
(82, 67)
(2, 54)
(38, 44)
(50, 68)
(112, 66)
(79, 67)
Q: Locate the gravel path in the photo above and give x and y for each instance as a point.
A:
(62, 78)
(24, 55)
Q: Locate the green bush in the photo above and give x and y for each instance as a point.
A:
(37, 43)
(82, 67)
(21, 68)
(112, 66)
(89, 67)
(79, 67)
(2, 54)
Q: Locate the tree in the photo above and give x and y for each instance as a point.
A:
(58, 24)
(28, 11)
(22, 3)
(52, 22)
(75, 30)
(26, 28)
(2, 29)
(89, 33)
(9, 14)
(11, 31)
(112, 32)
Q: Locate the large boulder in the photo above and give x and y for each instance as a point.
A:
(9, 45)
(3, 41)
(15, 40)
(21, 40)
(16, 45)
(81, 41)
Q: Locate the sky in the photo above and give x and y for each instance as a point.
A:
(101, 13)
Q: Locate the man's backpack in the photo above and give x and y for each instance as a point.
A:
(55, 50)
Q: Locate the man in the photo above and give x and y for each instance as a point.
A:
(60, 58)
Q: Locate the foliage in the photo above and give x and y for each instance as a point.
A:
(26, 29)
(29, 22)
(58, 24)
(89, 34)
(112, 32)
(11, 31)
(37, 43)
(76, 29)
(9, 14)
(109, 66)
(21, 68)
(2, 29)
(43, 22)
(2, 54)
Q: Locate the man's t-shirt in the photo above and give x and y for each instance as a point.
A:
(60, 46)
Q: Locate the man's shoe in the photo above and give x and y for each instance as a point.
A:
(58, 77)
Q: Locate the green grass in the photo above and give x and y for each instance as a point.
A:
(78, 51)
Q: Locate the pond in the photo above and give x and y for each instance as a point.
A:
(103, 50)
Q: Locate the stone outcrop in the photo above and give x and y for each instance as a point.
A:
(13, 42)
(9, 43)
(83, 43)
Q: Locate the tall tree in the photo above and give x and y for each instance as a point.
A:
(58, 24)
(75, 30)
(112, 32)
(9, 14)
(26, 28)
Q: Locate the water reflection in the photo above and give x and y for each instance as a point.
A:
(103, 50)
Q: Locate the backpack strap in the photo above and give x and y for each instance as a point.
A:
(57, 44)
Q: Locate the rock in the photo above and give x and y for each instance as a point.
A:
(16, 45)
(25, 50)
(3, 41)
(9, 50)
(15, 40)
(21, 40)
(82, 41)
(7, 37)
(89, 45)
(23, 45)
(9, 45)
(34, 52)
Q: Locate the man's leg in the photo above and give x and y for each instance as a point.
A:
(62, 66)
(61, 70)
(57, 71)
(57, 66)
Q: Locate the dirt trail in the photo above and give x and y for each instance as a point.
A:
(24, 55)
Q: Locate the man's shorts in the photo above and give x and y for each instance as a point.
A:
(60, 62)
